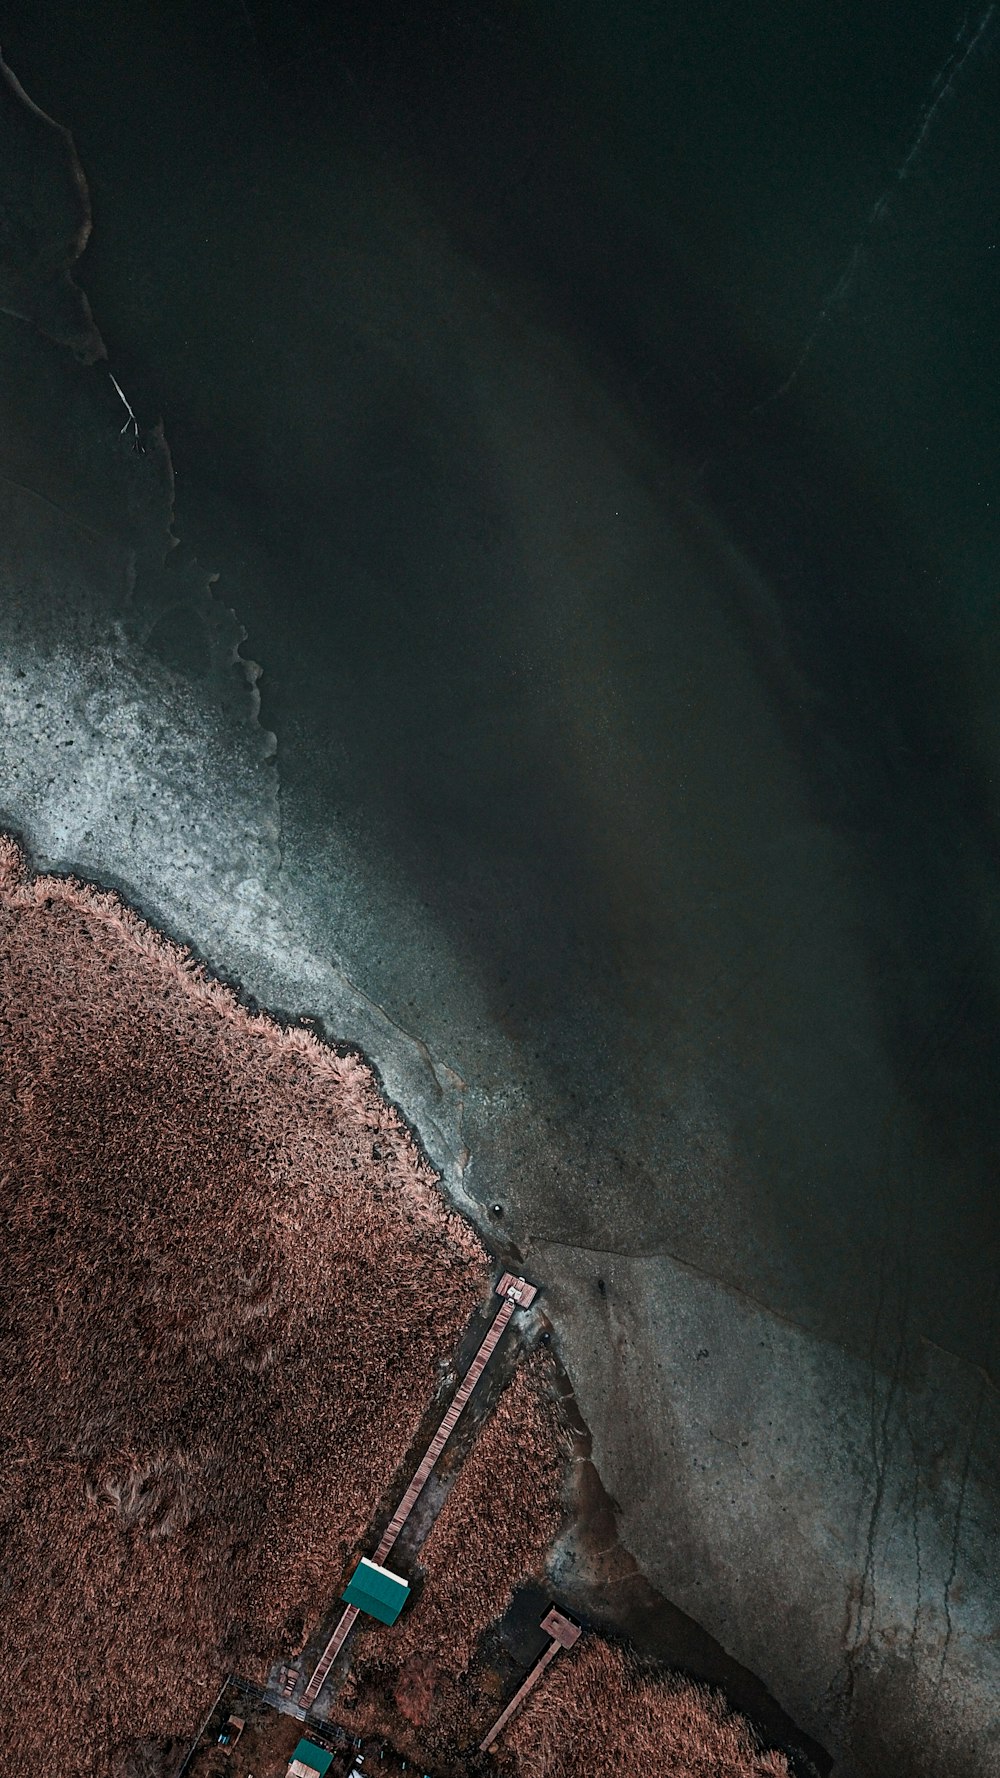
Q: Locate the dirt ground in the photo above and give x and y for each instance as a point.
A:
(263, 1749)
(268, 1740)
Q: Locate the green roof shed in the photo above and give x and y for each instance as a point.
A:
(377, 1591)
(309, 1757)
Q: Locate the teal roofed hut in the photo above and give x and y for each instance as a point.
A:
(377, 1591)
(309, 1761)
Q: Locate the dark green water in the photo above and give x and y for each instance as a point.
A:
(679, 196)
(771, 231)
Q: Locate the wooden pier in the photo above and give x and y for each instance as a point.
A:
(516, 1293)
(564, 1633)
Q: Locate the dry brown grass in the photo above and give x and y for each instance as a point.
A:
(597, 1711)
(498, 1521)
(492, 1534)
(227, 1282)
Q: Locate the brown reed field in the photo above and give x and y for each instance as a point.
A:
(491, 1536)
(601, 1712)
(228, 1285)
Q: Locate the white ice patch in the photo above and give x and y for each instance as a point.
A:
(164, 786)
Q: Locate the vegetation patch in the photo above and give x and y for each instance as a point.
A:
(229, 1288)
(491, 1536)
(601, 1712)
(228, 1283)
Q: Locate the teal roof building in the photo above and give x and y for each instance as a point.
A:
(309, 1761)
(377, 1591)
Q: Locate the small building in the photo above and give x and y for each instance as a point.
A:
(231, 1731)
(377, 1591)
(309, 1761)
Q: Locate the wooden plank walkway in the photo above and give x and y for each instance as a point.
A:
(517, 1293)
(564, 1633)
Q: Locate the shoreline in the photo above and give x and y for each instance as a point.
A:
(663, 1636)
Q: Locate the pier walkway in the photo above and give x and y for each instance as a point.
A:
(516, 1293)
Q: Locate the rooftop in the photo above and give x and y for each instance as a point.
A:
(377, 1591)
(308, 1759)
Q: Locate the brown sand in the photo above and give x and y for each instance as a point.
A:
(597, 1711)
(227, 1284)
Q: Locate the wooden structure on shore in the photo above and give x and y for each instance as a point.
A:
(564, 1633)
(516, 1293)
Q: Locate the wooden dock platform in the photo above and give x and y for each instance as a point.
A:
(564, 1633)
